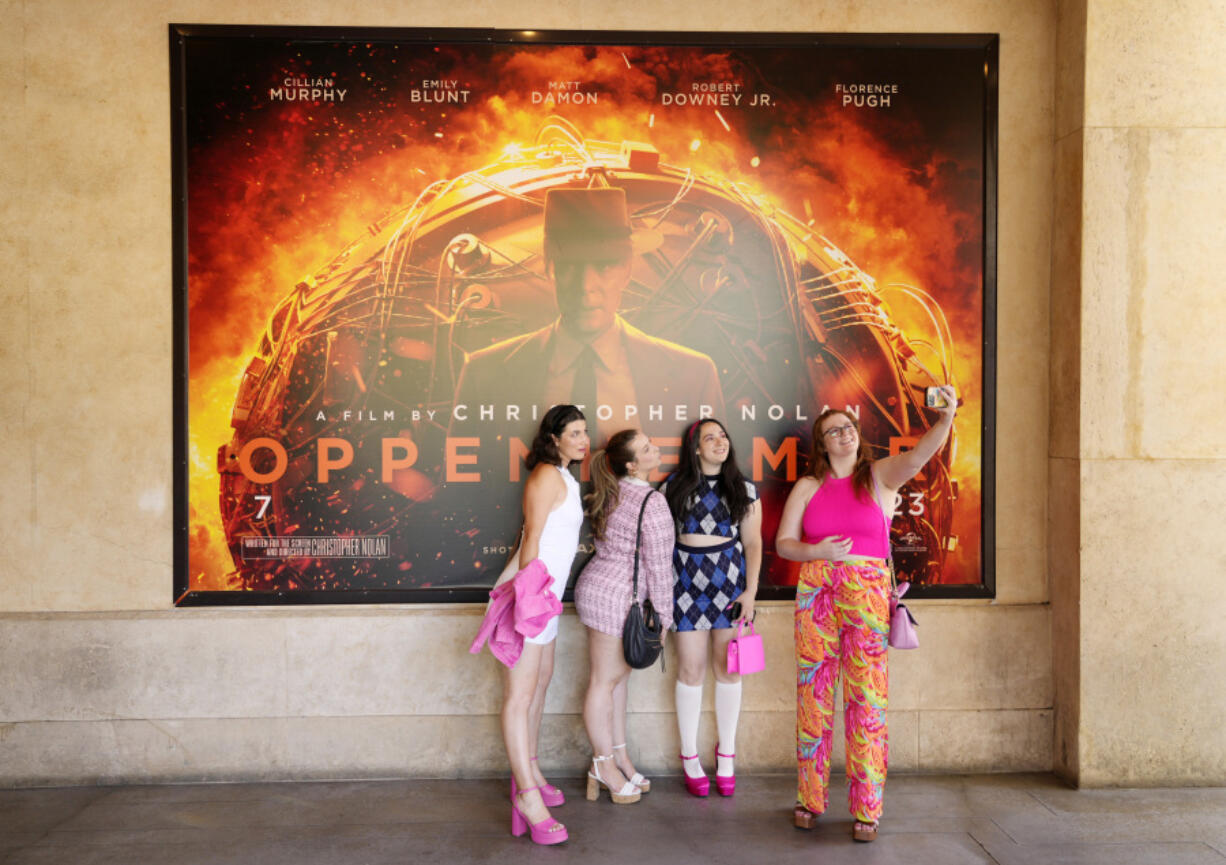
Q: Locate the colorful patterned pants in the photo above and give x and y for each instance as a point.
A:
(842, 619)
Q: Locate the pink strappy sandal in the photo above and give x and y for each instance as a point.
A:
(542, 833)
(551, 795)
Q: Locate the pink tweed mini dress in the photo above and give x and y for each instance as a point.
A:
(602, 593)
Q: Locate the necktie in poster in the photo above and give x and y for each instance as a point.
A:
(377, 308)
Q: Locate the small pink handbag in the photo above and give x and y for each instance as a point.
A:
(745, 653)
(902, 623)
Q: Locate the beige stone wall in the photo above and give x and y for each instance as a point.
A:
(1140, 457)
(102, 679)
(1064, 485)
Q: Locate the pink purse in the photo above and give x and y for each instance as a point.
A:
(745, 653)
(902, 623)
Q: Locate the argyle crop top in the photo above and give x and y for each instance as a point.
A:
(707, 512)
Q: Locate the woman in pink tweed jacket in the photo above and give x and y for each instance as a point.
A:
(602, 597)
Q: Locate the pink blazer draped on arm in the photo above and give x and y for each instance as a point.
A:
(520, 607)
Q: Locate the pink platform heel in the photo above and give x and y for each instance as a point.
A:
(700, 787)
(725, 784)
(551, 795)
(541, 833)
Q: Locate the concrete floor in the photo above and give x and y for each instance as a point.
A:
(942, 820)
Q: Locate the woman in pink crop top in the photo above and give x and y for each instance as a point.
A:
(603, 593)
(837, 522)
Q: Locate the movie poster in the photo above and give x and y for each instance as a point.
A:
(369, 331)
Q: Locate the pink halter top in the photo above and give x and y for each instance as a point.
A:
(835, 509)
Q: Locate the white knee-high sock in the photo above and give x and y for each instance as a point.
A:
(689, 708)
(727, 714)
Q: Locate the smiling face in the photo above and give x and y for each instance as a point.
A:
(646, 456)
(589, 293)
(712, 446)
(573, 443)
(840, 436)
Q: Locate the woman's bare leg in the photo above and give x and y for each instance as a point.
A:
(621, 756)
(608, 667)
(537, 709)
(518, 688)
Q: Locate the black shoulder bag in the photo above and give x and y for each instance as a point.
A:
(642, 639)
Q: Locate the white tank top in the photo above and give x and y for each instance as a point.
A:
(560, 537)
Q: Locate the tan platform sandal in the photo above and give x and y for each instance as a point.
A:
(627, 795)
(864, 831)
(638, 780)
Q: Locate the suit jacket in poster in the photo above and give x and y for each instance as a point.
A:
(513, 372)
(482, 519)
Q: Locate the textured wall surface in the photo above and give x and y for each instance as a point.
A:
(1064, 442)
(1152, 441)
(350, 693)
(102, 679)
(1138, 467)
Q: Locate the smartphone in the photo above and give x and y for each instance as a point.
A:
(734, 612)
(934, 398)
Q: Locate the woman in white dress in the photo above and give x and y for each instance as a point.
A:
(553, 515)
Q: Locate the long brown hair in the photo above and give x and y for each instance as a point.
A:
(608, 466)
(819, 459)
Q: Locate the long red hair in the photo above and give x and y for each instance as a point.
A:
(819, 458)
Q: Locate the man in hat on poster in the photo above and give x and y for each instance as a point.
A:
(589, 355)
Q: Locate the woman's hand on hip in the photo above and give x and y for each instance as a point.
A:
(832, 548)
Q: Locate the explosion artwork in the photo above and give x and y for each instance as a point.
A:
(363, 215)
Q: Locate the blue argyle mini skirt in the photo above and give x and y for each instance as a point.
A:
(706, 580)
